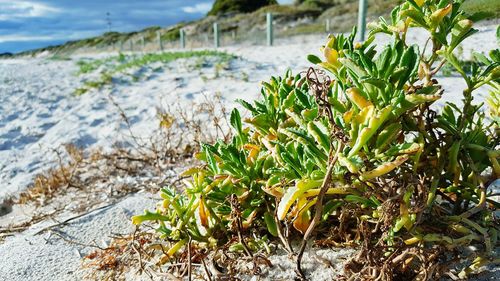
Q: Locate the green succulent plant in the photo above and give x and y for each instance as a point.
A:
(358, 137)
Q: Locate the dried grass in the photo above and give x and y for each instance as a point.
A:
(85, 177)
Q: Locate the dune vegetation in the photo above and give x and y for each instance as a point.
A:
(227, 6)
(121, 63)
(351, 153)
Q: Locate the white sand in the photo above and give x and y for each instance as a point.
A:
(38, 113)
(47, 257)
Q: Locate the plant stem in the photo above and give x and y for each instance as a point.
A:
(189, 259)
(435, 70)
(466, 108)
(319, 206)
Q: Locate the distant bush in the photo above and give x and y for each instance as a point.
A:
(172, 34)
(321, 4)
(238, 6)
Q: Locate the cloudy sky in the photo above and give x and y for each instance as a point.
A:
(38, 23)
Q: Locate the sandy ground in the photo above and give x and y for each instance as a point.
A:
(39, 113)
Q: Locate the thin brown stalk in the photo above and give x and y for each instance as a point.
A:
(318, 207)
(189, 258)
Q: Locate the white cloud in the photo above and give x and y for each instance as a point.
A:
(63, 35)
(24, 38)
(200, 8)
(25, 9)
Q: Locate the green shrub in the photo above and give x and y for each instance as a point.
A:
(87, 66)
(356, 149)
(172, 34)
(484, 6)
(238, 6)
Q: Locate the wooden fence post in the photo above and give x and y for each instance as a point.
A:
(327, 26)
(182, 35)
(131, 45)
(160, 45)
(216, 35)
(362, 19)
(143, 43)
(270, 38)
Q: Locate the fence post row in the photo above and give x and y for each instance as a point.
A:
(216, 35)
(362, 19)
(182, 35)
(269, 18)
(158, 35)
(362, 10)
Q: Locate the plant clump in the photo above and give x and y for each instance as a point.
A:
(121, 63)
(357, 150)
(238, 6)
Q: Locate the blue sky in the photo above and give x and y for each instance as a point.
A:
(37, 23)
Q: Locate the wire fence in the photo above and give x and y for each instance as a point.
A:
(269, 31)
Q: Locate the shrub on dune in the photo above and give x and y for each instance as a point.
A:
(356, 150)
